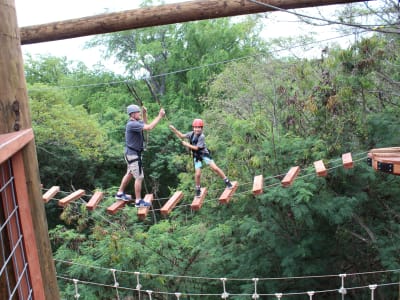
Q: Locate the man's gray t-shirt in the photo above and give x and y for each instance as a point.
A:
(134, 137)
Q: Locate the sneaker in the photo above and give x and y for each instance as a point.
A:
(123, 196)
(228, 183)
(198, 192)
(142, 203)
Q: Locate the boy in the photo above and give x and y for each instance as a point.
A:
(200, 152)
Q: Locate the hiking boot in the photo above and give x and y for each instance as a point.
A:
(123, 196)
(142, 203)
(228, 183)
(198, 192)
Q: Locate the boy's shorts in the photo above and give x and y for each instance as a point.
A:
(133, 167)
(198, 164)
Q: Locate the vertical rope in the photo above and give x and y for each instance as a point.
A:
(372, 287)
(116, 284)
(76, 289)
(138, 285)
(178, 295)
(342, 289)
(278, 295)
(149, 292)
(224, 295)
(255, 295)
(311, 294)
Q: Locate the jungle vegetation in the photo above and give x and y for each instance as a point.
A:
(264, 113)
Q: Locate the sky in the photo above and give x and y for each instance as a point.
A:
(35, 12)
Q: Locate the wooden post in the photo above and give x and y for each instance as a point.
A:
(15, 116)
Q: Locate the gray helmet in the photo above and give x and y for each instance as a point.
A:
(132, 109)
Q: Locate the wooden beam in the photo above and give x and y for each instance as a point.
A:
(197, 202)
(71, 197)
(347, 160)
(12, 142)
(116, 206)
(50, 193)
(156, 16)
(171, 203)
(228, 193)
(143, 211)
(290, 176)
(94, 201)
(258, 185)
(320, 168)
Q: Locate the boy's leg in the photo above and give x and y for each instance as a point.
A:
(216, 169)
(221, 173)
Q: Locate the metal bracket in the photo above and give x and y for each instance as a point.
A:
(15, 108)
(369, 161)
(385, 167)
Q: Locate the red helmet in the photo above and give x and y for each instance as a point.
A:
(197, 123)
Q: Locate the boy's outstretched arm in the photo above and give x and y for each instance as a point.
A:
(177, 132)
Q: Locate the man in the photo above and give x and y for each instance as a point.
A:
(134, 142)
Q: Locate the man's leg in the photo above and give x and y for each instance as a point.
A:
(138, 188)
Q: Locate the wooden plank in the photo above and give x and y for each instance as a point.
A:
(51, 193)
(385, 150)
(171, 203)
(72, 197)
(142, 211)
(94, 201)
(228, 193)
(28, 233)
(116, 206)
(10, 143)
(320, 168)
(198, 201)
(290, 176)
(347, 160)
(258, 185)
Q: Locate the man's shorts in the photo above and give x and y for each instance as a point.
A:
(133, 167)
(198, 164)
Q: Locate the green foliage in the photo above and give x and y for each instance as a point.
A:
(263, 115)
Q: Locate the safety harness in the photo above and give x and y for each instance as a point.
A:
(201, 152)
(138, 159)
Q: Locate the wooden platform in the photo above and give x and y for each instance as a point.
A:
(228, 193)
(320, 168)
(116, 206)
(385, 160)
(50, 193)
(290, 176)
(198, 201)
(171, 203)
(258, 185)
(143, 211)
(71, 197)
(94, 200)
